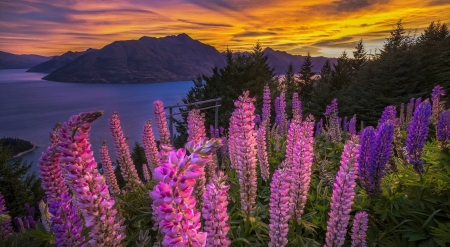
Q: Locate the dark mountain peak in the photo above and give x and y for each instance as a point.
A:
(23, 61)
(58, 61)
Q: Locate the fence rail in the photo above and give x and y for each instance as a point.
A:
(196, 104)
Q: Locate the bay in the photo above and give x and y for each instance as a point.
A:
(30, 107)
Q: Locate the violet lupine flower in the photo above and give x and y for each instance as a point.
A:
(266, 104)
(296, 106)
(438, 106)
(160, 116)
(319, 127)
(6, 228)
(359, 229)
(417, 133)
(127, 168)
(342, 197)
(262, 153)
(277, 111)
(196, 126)
(389, 113)
(279, 209)
(333, 128)
(145, 172)
(365, 169)
(417, 103)
(173, 203)
(90, 189)
(301, 169)
(244, 149)
(352, 126)
(443, 128)
(382, 153)
(108, 170)
(150, 147)
(67, 224)
(409, 111)
(214, 212)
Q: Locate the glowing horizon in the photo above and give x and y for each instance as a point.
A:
(322, 28)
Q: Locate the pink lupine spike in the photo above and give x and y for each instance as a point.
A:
(150, 147)
(196, 126)
(173, 204)
(160, 116)
(359, 229)
(279, 209)
(108, 170)
(343, 195)
(127, 168)
(90, 189)
(145, 172)
(214, 212)
(242, 129)
(262, 153)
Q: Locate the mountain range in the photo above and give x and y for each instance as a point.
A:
(149, 59)
(13, 61)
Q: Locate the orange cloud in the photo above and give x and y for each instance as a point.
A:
(321, 27)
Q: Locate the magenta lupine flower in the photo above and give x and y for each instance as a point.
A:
(160, 116)
(352, 126)
(389, 113)
(67, 224)
(296, 106)
(279, 209)
(266, 104)
(262, 153)
(359, 229)
(150, 147)
(417, 133)
(145, 172)
(333, 128)
(443, 128)
(244, 145)
(90, 189)
(438, 106)
(196, 126)
(127, 168)
(173, 203)
(342, 197)
(214, 212)
(301, 169)
(293, 136)
(108, 170)
(6, 228)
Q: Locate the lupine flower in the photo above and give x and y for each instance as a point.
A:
(383, 150)
(257, 120)
(301, 169)
(296, 106)
(352, 126)
(443, 128)
(402, 114)
(438, 106)
(279, 209)
(262, 153)
(365, 169)
(6, 228)
(145, 172)
(127, 168)
(342, 197)
(359, 229)
(417, 133)
(160, 116)
(196, 126)
(108, 170)
(244, 149)
(283, 116)
(417, 103)
(293, 136)
(334, 128)
(389, 113)
(319, 127)
(90, 188)
(266, 104)
(409, 111)
(277, 111)
(214, 212)
(67, 224)
(150, 147)
(173, 203)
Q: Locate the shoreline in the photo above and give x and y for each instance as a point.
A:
(25, 152)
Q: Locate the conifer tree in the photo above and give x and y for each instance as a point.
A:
(305, 80)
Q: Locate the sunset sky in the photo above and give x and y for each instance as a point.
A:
(49, 27)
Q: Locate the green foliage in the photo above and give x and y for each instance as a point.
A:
(15, 145)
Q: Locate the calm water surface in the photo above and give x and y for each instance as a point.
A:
(30, 107)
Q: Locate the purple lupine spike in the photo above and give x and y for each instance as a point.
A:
(402, 118)
(382, 153)
(6, 228)
(266, 104)
(334, 126)
(277, 111)
(212, 132)
(67, 224)
(409, 111)
(196, 126)
(319, 127)
(389, 113)
(296, 107)
(417, 103)
(438, 106)
(343, 195)
(352, 126)
(257, 120)
(359, 229)
(279, 209)
(365, 169)
(417, 133)
(443, 129)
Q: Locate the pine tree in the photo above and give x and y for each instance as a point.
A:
(359, 56)
(305, 80)
(342, 72)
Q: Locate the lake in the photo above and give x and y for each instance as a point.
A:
(30, 107)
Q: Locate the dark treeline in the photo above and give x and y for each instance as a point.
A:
(408, 66)
(15, 145)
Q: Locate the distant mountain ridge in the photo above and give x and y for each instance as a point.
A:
(13, 61)
(58, 61)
